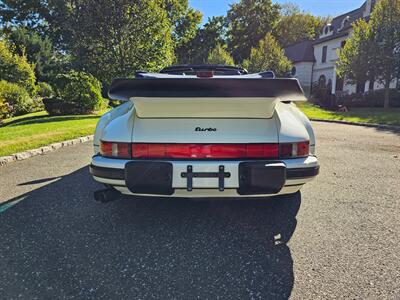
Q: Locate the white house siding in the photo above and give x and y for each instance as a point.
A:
(303, 74)
(328, 68)
(351, 88)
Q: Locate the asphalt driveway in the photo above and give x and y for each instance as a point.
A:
(338, 238)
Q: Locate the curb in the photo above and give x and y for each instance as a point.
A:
(380, 126)
(43, 150)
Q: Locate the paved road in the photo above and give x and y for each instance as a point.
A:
(343, 240)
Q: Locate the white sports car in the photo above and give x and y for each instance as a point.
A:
(204, 131)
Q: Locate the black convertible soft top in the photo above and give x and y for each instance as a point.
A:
(177, 86)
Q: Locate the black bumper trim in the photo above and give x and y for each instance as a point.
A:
(108, 173)
(302, 173)
(119, 174)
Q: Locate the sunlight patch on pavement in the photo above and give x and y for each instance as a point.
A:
(6, 205)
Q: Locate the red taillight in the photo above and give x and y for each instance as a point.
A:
(204, 151)
(205, 74)
(303, 149)
(201, 151)
(293, 150)
(118, 150)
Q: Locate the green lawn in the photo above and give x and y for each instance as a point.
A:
(364, 115)
(38, 129)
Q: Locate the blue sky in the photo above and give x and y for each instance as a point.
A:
(332, 8)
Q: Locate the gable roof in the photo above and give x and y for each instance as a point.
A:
(302, 51)
(337, 22)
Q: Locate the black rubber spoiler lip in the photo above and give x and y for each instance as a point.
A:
(284, 89)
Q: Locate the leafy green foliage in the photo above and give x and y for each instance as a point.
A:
(76, 93)
(184, 20)
(296, 26)
(15, 68)
(196, 50)
(249, 21)
(385, 30)
(45, 90)
(113, 38)
(371, 99)
(355, 57)
(38, 50)
(373, 50)
(219, 56)
(4, 109)
(322, 92)
(17, 98)
(268, 56)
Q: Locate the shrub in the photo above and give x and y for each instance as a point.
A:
(321, 92)
(15, 68)
(4, 109)
(17, 98)
(75, 93)
(376, 98)
(370, 99)
(45, 90)
(55, 106)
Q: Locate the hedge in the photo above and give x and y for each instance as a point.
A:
(75, 93)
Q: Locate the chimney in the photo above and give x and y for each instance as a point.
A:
(369, 6)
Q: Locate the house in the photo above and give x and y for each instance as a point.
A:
(316, 60)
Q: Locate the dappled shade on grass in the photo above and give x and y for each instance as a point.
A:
(39, 129)
(363, 115)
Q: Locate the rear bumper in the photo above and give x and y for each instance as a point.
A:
(112, 172)
(119, 174)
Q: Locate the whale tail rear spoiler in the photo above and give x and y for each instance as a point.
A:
(225, 97)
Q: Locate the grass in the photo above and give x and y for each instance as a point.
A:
(39, 129)
(363, 115)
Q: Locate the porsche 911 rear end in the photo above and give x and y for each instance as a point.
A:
(207, 134)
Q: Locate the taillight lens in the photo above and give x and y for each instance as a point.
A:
(118, 150)
(293, 150)
(204, 151)
(205, 74)
(201, 151)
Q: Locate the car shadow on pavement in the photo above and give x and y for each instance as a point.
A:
(388, 130)
(59, 243)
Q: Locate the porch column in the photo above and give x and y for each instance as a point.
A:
(334, 78)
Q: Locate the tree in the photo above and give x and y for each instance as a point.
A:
(38, 50)
(268, 56)
(49, 17)
(43, 17)
(113, 38)
(184, 19)
(219, 56)
(385, 31)
(16, 69)
(356, 57)
(249, 21)
(296, 26)
(196, 50)
(373, 51)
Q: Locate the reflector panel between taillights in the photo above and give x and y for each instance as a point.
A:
(204, 151)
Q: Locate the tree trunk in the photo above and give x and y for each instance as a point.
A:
(386, 103)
